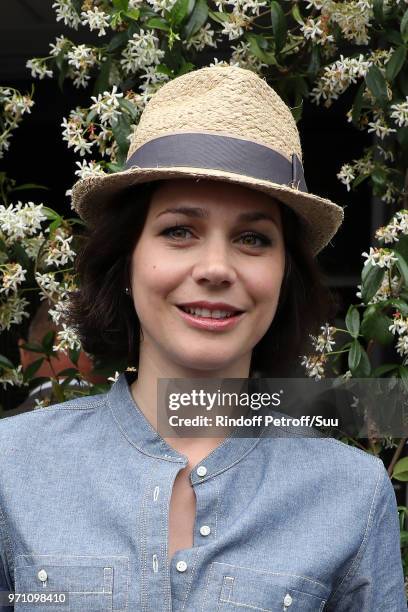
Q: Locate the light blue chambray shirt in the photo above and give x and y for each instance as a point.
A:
(287, 523)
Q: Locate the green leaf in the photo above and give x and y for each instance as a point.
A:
(157, 23)
(74, 355)
(398, 304)
(404, 27)
(33, 347)
(130, 108)
(385, 368)
(133, 13)
(121, 130)
(354, 355)
(371, 279)
(6, 363)
(363, 369)
(403, 372)
(359, 179)
(400, 471)
(402, 266)
(395, 63)
(180, 11)
(119, 40)
(376, 83)
(68, 372)
(353, 321)
(197, 19)
(378, 10)
(48, 341)
(218, 17)
(26, 186)
(32, 369)
(121, 5)
(375, 327)
(402, 137)
(102, 82)
(50, 213)
(296, 14)
(358, 104)
(402, 246)
(315, 62)
(393, 37)
(279, 25)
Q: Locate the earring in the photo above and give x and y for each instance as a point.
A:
(127, 291)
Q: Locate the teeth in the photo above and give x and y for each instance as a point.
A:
(212, 314)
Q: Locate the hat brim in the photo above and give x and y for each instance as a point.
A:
(321, 218)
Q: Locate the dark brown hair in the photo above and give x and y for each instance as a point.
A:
(104, 315)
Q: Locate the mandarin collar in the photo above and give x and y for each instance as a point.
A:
(140, 433)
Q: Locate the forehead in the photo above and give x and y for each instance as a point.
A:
(212, 195)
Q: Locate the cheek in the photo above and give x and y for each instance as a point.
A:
(152, 276)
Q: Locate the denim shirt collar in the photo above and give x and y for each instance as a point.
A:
(141, 434)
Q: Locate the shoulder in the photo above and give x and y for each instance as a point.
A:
(49, 418)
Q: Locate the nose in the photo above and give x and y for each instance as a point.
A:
(215, 264)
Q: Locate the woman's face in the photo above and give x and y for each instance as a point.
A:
(213, 255)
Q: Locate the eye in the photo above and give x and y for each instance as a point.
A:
(264, 240)
(175, 228)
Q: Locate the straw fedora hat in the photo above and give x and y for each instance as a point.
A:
(224, 123)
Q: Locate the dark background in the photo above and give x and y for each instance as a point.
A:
(38, 154)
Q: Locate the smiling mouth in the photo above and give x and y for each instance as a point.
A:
(214, 314)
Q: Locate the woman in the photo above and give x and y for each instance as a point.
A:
(212, 213)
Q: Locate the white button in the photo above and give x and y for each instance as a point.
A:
(42, 575)
(181, 566)
(287, 600)
(201, 470)
(205, 530)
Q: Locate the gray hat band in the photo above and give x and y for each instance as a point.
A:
(217, 152)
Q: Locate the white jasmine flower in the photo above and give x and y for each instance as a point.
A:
(96, 19)
(314, 365)
(400, 324)
(90, 168)
(20, 221)
(381, 257)
(141, 51)
(243, 57)
(380, 128)
(346, 175)
(388, 233)
(12, 275)
(107, 106)
(14, 378)
(12, 312)
(38, 68)
(338, 76)
(74, 131)
(48, 284)
(67, 340)
(402, 345)
(114, 378)
(60, 43)
(324, 341)
(59, 250)
(59, 311)
(66, 12)
(162, 6)
(203, 38)
(400, 113)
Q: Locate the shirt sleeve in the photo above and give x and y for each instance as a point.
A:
(5, 585)
(375, 581)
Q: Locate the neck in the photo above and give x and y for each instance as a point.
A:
(152, 367)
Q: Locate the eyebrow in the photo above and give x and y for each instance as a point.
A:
(202, 213)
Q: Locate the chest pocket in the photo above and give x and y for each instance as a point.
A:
(232, 588)
(91, 583)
